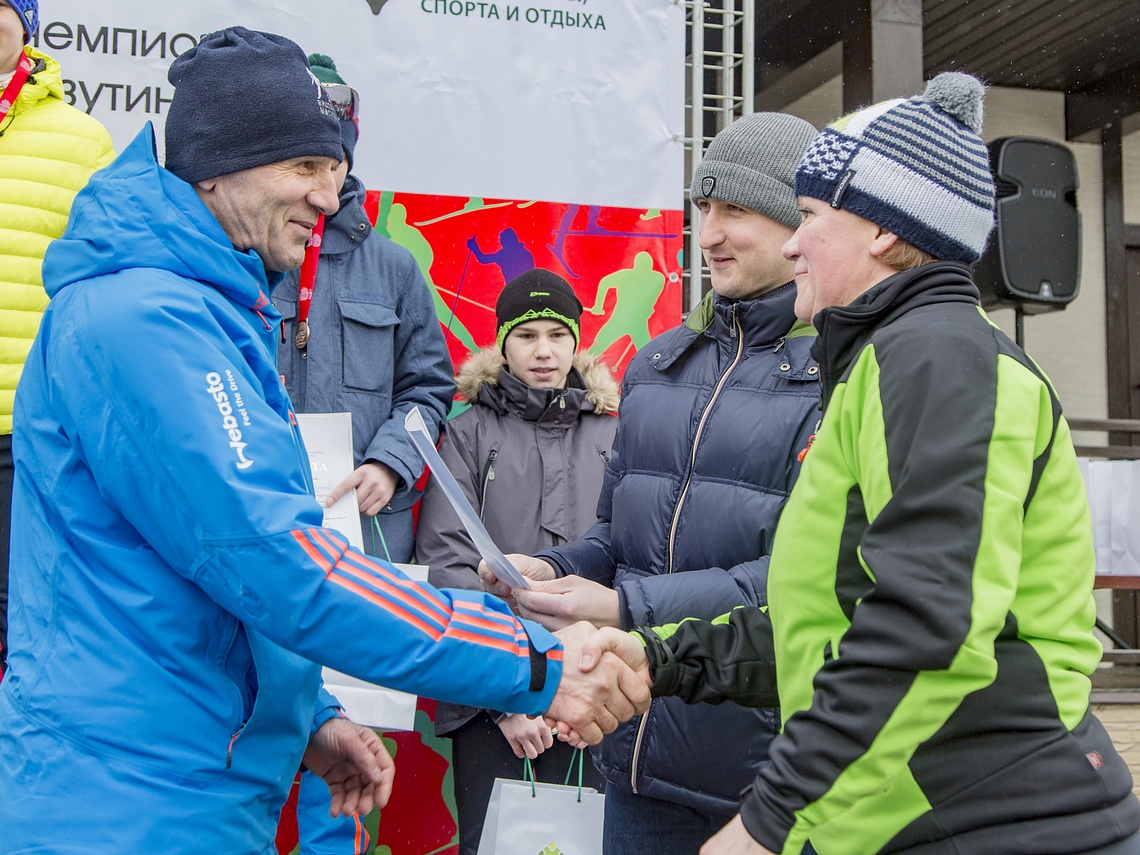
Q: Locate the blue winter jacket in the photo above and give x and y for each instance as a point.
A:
(713, 416)
(171, 585)
(376, 351)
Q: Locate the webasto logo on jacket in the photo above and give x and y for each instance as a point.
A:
(229, 422)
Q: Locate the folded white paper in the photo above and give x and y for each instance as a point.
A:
(417, 429)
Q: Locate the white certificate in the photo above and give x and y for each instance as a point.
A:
(328, 439)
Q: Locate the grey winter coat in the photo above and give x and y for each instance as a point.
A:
(531, 462)
(376, 351)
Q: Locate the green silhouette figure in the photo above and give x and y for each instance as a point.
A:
(638, 289)
(409, 237)
(383, 210)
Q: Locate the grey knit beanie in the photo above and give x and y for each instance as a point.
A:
(915, 166)
(752, 163)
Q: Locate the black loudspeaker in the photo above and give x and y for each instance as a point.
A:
(1033, 260)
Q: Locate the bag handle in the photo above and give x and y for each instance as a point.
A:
(578, 757)
(376, 530)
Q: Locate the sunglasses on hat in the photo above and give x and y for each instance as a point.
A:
(345, 100)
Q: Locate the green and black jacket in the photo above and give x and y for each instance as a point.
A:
(930, 603)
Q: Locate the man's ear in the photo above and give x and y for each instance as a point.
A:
(206, 185)
(883, 243)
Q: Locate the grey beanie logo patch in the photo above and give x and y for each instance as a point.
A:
(708, 184)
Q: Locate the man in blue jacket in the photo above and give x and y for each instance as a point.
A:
(172, 586)
(714, 415)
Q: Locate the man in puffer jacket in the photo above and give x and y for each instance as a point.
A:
(48, 150)
(530, 455)
(714, 415)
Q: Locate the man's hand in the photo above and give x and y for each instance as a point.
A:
(375, 484)
(354, 763)
(533, 568)
(734, 839)
(592, 703)
(561, 602)
(623, 645)
(528, 737)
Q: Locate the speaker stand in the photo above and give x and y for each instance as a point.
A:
(1019, 326)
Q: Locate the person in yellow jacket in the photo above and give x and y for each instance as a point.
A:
(48, 150)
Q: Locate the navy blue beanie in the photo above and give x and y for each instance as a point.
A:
(243, 99)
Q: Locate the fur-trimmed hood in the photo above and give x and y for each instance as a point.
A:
(482, 369)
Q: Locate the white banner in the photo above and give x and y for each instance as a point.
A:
(554, 100)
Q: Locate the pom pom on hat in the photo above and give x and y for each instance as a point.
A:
(323, 68)
(960, 95)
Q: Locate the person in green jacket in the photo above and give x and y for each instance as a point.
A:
(48, 150)
(929, 629)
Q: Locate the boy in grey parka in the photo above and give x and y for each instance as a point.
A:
(530, 455)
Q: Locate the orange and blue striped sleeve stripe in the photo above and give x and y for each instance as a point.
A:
(421, 606)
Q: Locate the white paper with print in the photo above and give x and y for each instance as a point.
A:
(328, 440)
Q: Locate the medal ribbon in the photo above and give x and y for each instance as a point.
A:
(12, 90)
(308, 280)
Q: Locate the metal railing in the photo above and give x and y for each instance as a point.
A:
(721, 62)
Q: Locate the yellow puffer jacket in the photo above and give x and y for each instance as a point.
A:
(48, 150)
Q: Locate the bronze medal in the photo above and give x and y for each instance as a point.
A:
(301, 337)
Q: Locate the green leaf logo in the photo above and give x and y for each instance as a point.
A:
(552, 849)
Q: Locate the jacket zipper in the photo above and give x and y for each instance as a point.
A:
(233, 739)
(738, 334)
(488, 476)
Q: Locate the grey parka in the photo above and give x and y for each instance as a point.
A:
(530, 461)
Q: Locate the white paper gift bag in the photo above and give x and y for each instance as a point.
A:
(525, 818)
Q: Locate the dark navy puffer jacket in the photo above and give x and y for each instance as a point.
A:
(713, 416)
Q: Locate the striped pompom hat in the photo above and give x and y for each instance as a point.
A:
(915, 166)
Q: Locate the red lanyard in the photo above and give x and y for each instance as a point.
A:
(308, 280)
(12, 90)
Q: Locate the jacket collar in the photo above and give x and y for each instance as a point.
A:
(764, 320)
(45, 81)
(845, 330)
(549, 406)
(349, 227)
(483, 377)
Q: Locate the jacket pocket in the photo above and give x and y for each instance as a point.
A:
(287, 308)
(368, 333)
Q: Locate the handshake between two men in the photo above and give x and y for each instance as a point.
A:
(608, 676)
